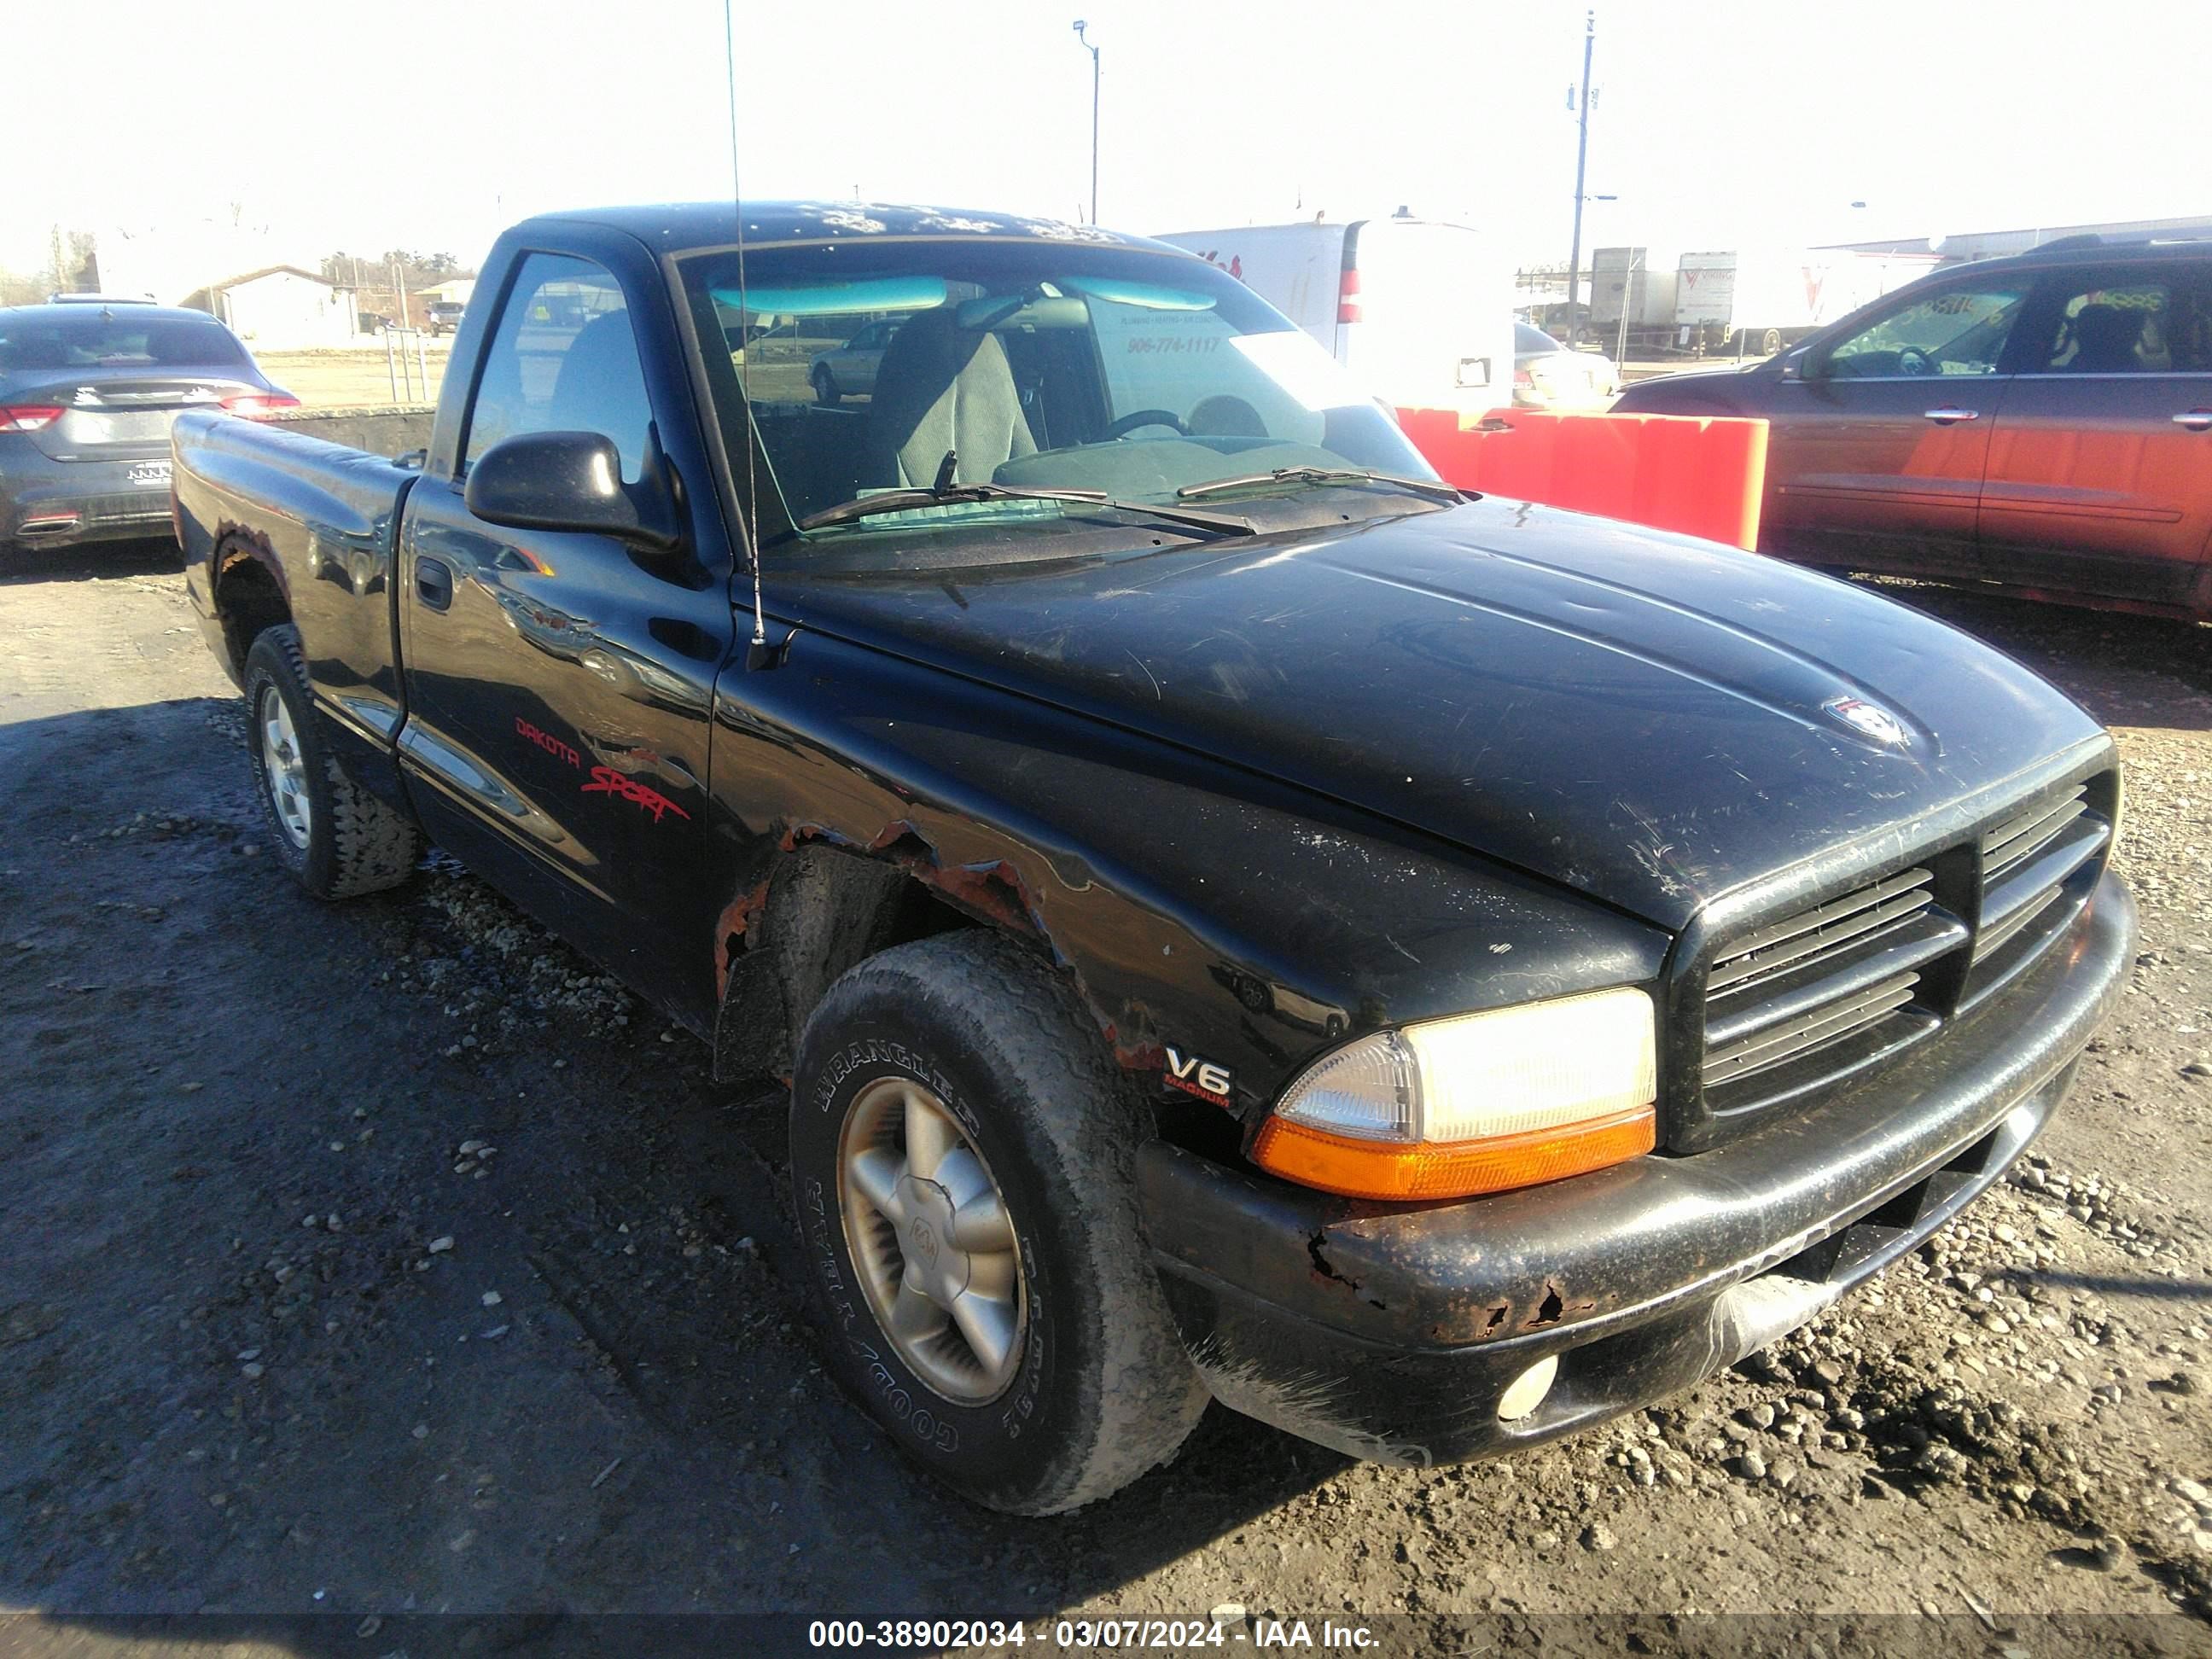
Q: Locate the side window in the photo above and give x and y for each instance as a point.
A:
(563, 359)
(2137, 325)
(1960, 330)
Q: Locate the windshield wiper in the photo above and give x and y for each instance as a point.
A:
(951, 494)
(1435, 487)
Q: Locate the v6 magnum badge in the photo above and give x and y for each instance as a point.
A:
(1194, 1076)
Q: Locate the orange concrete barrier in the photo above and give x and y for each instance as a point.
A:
(1702, 476)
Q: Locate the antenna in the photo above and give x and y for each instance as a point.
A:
(759, 652)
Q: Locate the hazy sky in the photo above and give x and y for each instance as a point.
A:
(1719, 122)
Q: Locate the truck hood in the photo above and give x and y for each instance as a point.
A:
(1644, 717)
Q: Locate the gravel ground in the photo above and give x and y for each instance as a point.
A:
(390, 1259)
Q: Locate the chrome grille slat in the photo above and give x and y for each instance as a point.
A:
(1993, 939)
(1803, 981)
(1830, 1023)
(1825, 927)
(2028, 881)
(1909, 943)
(1798, 1004)
(2021, 822)
(2013, 843)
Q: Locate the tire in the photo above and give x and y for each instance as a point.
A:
(1770, 342)
(346, 841)
(1254, 994)
(1095, 1387)
(825, 387)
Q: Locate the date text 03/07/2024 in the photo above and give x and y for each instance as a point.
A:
(1173, 1635)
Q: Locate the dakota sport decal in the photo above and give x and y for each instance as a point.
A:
(605, 780)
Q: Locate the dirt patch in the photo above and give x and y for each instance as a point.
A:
(361, 376)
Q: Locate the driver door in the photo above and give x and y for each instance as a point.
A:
(559, 684)
(1876, 450)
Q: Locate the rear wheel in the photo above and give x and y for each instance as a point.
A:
(962, 1152)
(336, 838)
(1770, 342)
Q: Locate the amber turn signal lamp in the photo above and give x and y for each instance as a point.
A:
(1359, 1168)
(1473, 1102)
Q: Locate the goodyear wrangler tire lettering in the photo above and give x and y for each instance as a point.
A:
(960, 1140)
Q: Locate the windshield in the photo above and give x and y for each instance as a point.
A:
(1040, 365)
(94, 339)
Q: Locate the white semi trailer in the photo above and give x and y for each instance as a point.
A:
(1755, 302)
(1632, 304)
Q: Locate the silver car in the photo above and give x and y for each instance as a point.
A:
(88, 393)
(850, 370)
(1546, 375)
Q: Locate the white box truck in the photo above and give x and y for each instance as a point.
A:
(1632, 302)
(1421, 311)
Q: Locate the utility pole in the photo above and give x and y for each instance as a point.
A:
(1084, 41)
(1581, 157)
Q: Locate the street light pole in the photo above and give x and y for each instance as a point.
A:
(1582, 156)
(1084, 41)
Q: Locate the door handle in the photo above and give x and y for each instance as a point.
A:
(434, 583)
(1948, 414)
(2196, 420)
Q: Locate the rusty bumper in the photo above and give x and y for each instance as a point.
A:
(1390, 1332)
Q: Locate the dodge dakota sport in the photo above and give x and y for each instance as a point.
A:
(1236, 918)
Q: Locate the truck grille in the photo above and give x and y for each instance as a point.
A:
(2037, 870)
(1797, 1004)
(1843, 974)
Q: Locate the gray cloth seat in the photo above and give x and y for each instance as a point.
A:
(600, 387)
(942, 386)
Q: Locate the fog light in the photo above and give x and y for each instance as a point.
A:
(1527, 1391)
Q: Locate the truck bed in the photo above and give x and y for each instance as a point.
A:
(321, 520)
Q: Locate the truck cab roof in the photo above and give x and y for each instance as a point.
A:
(672, 226)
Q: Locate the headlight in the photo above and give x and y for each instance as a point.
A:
(1474, 1104)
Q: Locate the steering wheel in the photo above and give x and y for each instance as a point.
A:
(1223, 415)
(1143, 418)
(1912, 359)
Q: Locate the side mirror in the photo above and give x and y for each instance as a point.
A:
(572, 480)
(1799, 365)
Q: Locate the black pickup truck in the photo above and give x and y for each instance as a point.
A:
(1238, 918)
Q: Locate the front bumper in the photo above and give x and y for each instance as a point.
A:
(1390, 1332)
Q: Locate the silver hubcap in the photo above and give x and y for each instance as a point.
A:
(931, 1238)
(284, 767)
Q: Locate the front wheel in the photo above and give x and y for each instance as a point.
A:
(336, 838)
(825, 387)
(961, 1159)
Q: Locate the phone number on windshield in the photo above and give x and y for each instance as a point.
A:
(955, 1633)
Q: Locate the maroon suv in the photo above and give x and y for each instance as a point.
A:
(2041, 422)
